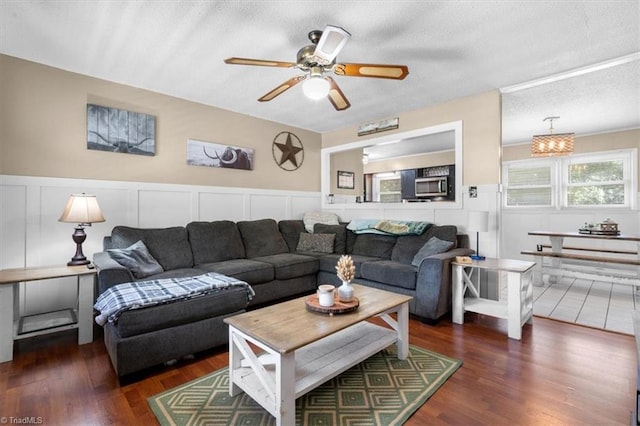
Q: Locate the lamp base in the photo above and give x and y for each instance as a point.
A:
(78, 262)
(79, 258)
(474, 257)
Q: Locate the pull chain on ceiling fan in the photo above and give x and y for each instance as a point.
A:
(319, 58)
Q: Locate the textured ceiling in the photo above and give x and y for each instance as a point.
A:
(452, 49)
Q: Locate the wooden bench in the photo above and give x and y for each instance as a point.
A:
(590, 267)
(613, 251)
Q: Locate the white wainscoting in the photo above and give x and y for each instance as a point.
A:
(30, 234)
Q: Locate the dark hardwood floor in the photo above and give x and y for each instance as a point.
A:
(558, 374)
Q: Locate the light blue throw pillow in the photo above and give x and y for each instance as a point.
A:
(433, 246)
(137, 259)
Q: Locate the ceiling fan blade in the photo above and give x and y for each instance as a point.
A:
(397, 72)
(282, 88)
(330, 44)
(260, 62)
(337, 98)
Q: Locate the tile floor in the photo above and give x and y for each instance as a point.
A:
(591, 303)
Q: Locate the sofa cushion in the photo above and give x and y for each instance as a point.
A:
(215, 241)
(169, 246)
(443, 232)
(434, 246)
(251, 271)
(153, 318)
(291, 265)
(374, 245)
(328, 262)
(322, 243)
(389, 272)
(137, 259)
(340, 231)
(262, 238)
(350, 240)
(407, 246)
(291, 230)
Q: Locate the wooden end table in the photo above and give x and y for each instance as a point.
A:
(304, 349)
(9, 303)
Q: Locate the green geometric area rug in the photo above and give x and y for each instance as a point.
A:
(381, 390)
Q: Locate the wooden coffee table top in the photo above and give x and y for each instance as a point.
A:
(288, 326)
(10, 276)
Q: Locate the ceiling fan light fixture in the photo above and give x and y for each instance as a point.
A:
(315, 88)
(316, 61)
(552, 145)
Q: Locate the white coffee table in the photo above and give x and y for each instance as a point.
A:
(304, 349)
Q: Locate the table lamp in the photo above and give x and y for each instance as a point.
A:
(478, 221)
(84, 210)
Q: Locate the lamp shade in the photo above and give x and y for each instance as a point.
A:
(552, 145)
(478, 221)
(82, 209)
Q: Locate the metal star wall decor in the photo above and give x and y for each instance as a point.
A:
(288, 151)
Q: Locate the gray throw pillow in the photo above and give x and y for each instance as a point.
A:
(433, 246)
(137, 259)
(340, 231)
(322, 243)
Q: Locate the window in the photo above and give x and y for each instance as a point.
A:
(387, 187)
(530, 184)
(592, 182)
(589, 180)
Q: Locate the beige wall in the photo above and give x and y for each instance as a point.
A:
(43, 133)
(481, 133)
(583, 144)
(348, 161)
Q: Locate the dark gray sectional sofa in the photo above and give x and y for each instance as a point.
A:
(264, 254)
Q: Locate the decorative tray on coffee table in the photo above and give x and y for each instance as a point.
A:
(338, 307)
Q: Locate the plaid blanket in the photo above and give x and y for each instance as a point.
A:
(134, 295)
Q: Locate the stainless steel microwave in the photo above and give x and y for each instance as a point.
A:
(432, 186)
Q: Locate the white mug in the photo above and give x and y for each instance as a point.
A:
(325, 295)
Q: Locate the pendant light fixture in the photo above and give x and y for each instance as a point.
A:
(552, 144)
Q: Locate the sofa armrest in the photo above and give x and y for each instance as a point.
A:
(110, 272)
(433, 286)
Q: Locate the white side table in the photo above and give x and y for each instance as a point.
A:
(517, 309)
(9, 317)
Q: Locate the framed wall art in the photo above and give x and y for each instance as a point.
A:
(346, 180)
(117, 130)
(201, 153)
(379, 126)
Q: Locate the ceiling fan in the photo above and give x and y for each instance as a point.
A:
(319, 58)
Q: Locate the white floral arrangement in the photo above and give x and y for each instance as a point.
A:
(345, 268)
